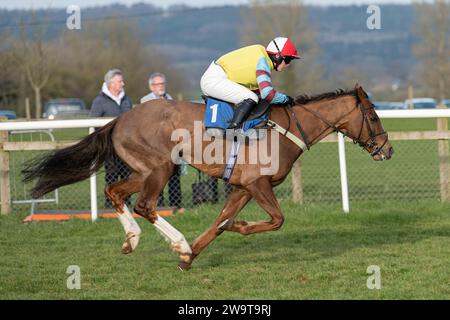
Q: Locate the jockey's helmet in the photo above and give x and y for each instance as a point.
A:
(282, 48)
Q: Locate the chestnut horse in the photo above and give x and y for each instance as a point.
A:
(143, 139)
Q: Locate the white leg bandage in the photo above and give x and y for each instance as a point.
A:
(128, 222)
(132, 229)
(172, 235)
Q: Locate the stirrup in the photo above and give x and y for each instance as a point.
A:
(237, 124)
(262, 125)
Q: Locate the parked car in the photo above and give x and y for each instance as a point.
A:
(445, 103)
(387, 105)
(420, 103)
(9, 114)
(65, 109)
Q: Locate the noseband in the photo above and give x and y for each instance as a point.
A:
(370, 142)
(366, 145)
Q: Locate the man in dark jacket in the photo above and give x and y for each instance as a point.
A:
(112, 102)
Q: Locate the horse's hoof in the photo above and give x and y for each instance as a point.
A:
(184, 266)
(130, 243)
(126, 248)
(185, 261)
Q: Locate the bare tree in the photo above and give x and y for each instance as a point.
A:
(433, 52)
(267, 19)
(31, 54)
(7, 82)
(73, 64)
(85, 56)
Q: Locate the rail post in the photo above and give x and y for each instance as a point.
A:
(343, 172)
(297, 183)
(93, 190)
(4, 175)
(442, 126)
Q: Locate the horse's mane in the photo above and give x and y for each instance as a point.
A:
(305, 99)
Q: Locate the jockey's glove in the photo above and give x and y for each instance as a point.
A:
(290, 100)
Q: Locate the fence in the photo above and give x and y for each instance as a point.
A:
(418, 169)
(18, 187)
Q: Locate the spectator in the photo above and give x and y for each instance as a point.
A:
(157, 85)
(112, 102)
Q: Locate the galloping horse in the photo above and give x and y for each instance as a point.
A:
(142, 139)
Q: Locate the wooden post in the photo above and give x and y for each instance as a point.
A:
(410, 96)
(4, 175)
(27, 108)
(297, 185)
(442, 125)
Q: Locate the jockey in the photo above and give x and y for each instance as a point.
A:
(234, 76)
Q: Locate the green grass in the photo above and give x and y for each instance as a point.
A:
(424, 124)
(58, 134)
(320, 253)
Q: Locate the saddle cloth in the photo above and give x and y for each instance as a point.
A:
(219, 114)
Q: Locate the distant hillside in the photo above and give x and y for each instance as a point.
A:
(193, 37)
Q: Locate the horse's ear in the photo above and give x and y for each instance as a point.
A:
(361, 94)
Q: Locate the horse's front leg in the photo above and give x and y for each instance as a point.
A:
(262, 191)
(235, 202)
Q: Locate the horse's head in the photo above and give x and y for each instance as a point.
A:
(365, 128)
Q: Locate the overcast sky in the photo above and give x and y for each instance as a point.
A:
(26, 4)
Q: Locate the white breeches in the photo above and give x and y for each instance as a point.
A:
(215, 83)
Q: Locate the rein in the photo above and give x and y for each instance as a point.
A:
(299, 127)
(306, 143)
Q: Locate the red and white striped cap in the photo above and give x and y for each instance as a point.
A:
(285, 46)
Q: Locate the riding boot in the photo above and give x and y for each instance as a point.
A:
(242, 110)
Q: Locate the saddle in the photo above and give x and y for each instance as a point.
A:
(219, 113)
(261, 109)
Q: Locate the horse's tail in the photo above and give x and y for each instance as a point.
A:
(71, 164)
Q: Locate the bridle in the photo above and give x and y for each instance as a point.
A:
(366, 145)
(370, 142)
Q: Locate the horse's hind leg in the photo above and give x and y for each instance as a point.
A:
(262, 191)
(152, 187)
(235, 202)
(117, 192)
(146, 207)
